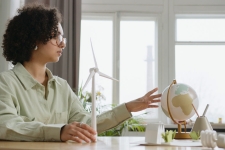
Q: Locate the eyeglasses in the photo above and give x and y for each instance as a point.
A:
(59, 41)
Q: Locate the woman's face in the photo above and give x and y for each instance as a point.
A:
(52, 50)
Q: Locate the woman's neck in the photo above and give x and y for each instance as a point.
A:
(37, 70)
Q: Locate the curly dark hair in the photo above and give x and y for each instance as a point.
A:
(34, 23)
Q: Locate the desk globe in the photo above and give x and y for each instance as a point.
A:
(180, 98)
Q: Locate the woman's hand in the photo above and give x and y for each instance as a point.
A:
(144, 102)
(78, 132)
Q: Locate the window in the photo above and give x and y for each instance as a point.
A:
(187, 34)
(199, 57)
(125, 48)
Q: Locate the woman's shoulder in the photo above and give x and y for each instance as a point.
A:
(7, 75)
(8, 79)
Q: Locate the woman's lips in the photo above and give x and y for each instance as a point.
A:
(59, 52)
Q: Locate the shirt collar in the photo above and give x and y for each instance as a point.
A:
(51, 77)
(27, 80)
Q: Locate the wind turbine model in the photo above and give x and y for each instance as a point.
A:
(92, 75)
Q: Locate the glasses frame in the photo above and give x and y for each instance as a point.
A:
(62, 43)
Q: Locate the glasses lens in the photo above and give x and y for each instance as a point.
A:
(64, 41)
(59, 39)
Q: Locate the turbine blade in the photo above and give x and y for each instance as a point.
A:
(93, 54)
(89, 78)
(106, 76)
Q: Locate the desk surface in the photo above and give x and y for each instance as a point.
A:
(103, 143)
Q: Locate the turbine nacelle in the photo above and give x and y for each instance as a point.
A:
(95, 69)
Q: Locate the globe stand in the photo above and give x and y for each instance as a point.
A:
(179, 134)
(182, 135)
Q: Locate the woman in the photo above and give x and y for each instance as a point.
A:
(34, 104)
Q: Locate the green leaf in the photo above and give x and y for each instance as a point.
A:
(168, 136)
(174, 133)
(194, 135)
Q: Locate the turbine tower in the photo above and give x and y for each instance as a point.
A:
(93, 71)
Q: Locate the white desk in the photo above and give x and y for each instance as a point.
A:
(103, 143)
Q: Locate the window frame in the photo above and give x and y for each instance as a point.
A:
(131, 16)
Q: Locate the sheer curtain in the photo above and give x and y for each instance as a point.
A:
(68, 65)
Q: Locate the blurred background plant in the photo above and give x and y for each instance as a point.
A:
(135, 123)
(86, 99)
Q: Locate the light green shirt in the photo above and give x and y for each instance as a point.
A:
(27, 113)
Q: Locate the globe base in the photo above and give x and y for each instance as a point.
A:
(182, 135)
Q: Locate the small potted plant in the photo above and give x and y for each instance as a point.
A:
(168, 136)
(195, 136)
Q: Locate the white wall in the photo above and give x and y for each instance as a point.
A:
(8, 9)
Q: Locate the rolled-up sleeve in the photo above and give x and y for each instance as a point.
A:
(112, 118)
